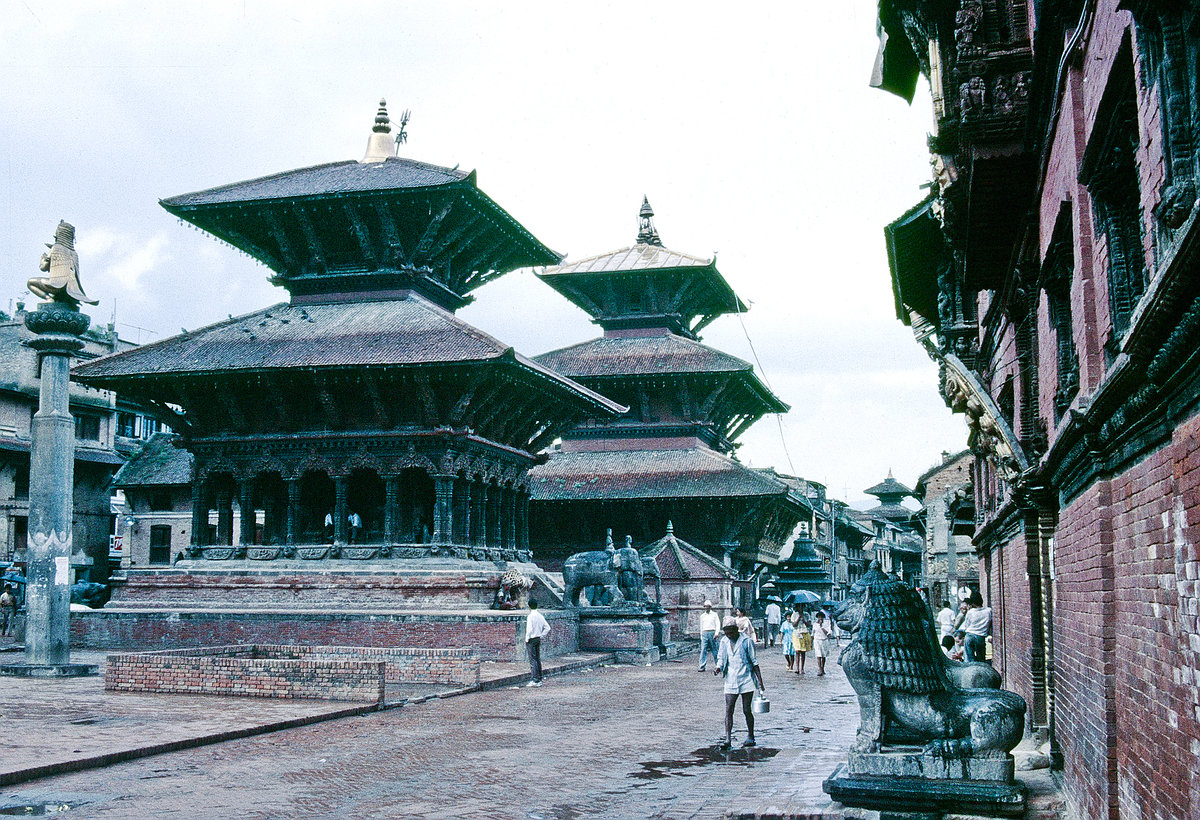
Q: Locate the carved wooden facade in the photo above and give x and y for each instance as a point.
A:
(1053, 274)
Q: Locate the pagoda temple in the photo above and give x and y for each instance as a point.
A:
(360, 422)
(668, 458)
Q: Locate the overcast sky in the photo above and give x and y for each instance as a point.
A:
(750, 127)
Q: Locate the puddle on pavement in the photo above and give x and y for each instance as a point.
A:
(708, 756)
(35, 809)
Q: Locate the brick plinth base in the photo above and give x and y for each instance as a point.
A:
(494, 635)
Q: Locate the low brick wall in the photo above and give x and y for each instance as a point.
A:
(401, 665)
(245, 671)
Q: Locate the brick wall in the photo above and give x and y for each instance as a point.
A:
(401, 665)
(237, 671)
(1007, 593)
(493, 635)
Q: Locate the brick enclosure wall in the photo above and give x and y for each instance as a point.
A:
(401, 665)
(493, 635)
(245, 671)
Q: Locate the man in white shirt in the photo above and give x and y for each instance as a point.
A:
(739, 663)
(774, 619)
(710, 625)
(355, 522)
(977, 624)
(945, 620)
(536, 628)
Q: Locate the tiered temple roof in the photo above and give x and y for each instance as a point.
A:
(688, 403)
(364, 393)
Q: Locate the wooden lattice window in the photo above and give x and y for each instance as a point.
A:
(1058, 271)
(1111, 174)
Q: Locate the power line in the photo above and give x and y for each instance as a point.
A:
(737, 308)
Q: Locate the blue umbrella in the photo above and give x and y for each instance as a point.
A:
(802, 596)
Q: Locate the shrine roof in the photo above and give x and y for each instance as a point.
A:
(159, 462)
(702, 566)
(628, 474)
(637, 257)
(889, 487)
(329, 179)
(407, 330)
(640, 355)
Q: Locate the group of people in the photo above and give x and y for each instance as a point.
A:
(354, 526)
(736, 658)
(964, 635)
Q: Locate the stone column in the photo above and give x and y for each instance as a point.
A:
(225, 516)
(57, 327)
(199, 512)
(443, 516)
(293, 510)
(391, 502)
(341, 486)
(246, 503)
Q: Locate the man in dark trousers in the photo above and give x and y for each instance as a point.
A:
(536, 628)
(738, 662)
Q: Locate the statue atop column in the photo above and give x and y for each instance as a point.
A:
(57, 326)
(62, 263)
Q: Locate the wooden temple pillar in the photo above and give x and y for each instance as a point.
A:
(293, 510)
(225, 516)
(522, 520)
(508, 518)
(475, 502)
(443, 513)
(341, 485)
(462, 511)
(249, 517)
(491, 515)
(199, 513)
(391, 512)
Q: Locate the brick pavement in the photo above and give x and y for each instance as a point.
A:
(613, 741)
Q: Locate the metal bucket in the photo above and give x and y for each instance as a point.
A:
(760, 705)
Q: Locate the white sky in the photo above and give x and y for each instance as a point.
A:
(750, 127)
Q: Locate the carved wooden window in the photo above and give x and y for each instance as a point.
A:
(1111, 174)
(1058, 271)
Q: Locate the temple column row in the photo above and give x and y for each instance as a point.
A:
(464, 512)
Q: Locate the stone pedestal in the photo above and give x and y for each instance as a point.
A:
(57, 327)
(634, 635)
(910, 784)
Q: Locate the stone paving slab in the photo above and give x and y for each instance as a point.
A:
(65, 725)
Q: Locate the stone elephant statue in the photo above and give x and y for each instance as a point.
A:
(90, 594)
(597, 568)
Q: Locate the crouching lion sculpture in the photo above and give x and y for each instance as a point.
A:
(908, 693)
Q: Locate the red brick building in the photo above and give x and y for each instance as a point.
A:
(1052, 272)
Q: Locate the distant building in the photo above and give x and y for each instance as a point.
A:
(689, 577)
(899, 536)
(948, 496)
(155, 523)
(106, 430)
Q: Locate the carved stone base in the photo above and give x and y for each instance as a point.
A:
(922, 797)
(914, 762)
(49, 670)
(635, 637)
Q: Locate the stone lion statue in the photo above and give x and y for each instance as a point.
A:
(907, 691)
